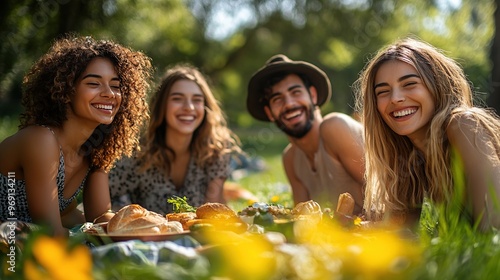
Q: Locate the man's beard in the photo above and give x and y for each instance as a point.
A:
(301, 130)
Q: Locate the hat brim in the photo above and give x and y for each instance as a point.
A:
(255, 95)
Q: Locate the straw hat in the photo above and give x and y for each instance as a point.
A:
(279, 63)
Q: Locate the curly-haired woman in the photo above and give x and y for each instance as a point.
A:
(187, 147)
(84, 103)
(417, 107)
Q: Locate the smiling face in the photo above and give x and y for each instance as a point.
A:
(291, 106)
(403, 100)
(185, 107)
(97, 95)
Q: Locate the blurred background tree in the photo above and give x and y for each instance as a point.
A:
(230, 40)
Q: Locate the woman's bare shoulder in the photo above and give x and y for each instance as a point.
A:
(26, 145)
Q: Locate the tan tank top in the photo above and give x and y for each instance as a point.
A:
(328, 181)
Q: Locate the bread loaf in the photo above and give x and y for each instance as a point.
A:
(345, 204)
(135, 220)
(215, 211)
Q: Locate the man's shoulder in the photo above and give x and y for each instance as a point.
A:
(288, 149)
(338, 120)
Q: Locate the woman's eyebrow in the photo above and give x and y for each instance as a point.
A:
(399, 80)
(98, 77)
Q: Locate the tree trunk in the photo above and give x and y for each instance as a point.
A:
(494, 97)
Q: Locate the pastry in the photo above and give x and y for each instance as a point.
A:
(133, 219)
(182, 218)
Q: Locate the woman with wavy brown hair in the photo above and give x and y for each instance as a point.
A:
(417, 108)
(84, 104)
(186, 150)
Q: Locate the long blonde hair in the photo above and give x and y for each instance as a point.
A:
(211, 140)
(398, 175)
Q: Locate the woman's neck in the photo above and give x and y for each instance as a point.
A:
(72, 136)
(179, 143)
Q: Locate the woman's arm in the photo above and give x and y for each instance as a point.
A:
(96, 200)
(478, 155)
(39, 158)
(215, 191)
(72, 216)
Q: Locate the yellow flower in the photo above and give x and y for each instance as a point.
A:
(56, 262)
(369, 254)
(242, 256)
(251, 201)
(275, 199)
(357, 221)
(31, 271)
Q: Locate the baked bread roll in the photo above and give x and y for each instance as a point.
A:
(182, 218)
(215, 211)
(345, 204)
(307, 211)
(310, 207)
(218, 215)
(133, 219)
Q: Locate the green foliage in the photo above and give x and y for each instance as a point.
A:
(455, 248)
(8, 126)
(338, 36)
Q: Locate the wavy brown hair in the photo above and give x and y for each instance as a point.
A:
(398, 175)
(50, 83)
(211, 140)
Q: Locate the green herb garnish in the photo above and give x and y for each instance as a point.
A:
(180, 205)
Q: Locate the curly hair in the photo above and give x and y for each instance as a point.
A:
(211, 140)
(50, 83)
(398, 175)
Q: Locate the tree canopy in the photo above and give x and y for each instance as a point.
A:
(230, 40)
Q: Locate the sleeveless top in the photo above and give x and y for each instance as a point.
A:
(13, 193)
(328, 181)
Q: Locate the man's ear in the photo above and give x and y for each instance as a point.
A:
(314, 95)
(268, 113)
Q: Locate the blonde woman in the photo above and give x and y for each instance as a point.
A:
(417, 108)
(186, 149)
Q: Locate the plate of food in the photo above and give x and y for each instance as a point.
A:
(134, 222)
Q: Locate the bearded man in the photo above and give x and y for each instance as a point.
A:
(325, 155)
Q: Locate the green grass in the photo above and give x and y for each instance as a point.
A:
(266, 143)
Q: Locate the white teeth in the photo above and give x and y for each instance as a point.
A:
(186, 118)
(404, 112)
(102, 106)
(292, 115)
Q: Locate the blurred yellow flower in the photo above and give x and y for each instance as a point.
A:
(56, 262)
(381, 253)
(357, 221)
(251, 201)
(243, 256)
(275, 199)
(373, 254)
